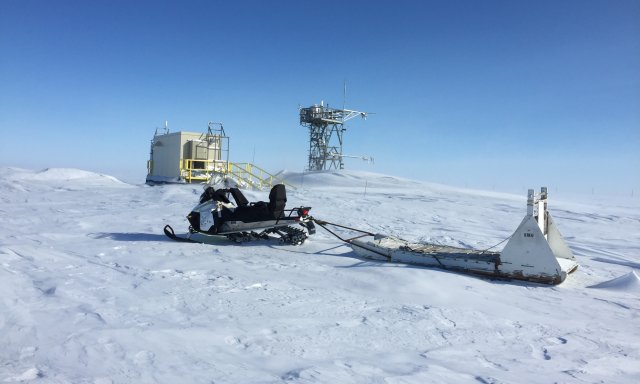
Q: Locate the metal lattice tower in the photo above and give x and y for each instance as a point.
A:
(326, 130)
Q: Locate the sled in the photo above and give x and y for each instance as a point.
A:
(535, 252)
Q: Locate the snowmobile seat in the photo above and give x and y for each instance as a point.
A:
(241, 201)
(277, 200)
(249, 213)
(260, 210)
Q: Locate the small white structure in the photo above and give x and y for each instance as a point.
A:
(187, 157)
(535, 252)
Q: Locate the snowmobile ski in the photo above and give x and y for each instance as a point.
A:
(172, 235)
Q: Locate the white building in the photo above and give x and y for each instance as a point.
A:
(186, 157)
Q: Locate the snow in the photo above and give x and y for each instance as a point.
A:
(93, 292)
(626, 283)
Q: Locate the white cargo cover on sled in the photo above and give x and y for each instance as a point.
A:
(535, 252)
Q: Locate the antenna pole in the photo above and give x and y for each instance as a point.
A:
(344, 94)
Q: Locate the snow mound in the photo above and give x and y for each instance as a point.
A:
(371, 181)
(627, 283)
(30, 374)
(58, 176)
(66, 174)
(344, 178)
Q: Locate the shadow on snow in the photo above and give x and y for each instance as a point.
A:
(130, 236)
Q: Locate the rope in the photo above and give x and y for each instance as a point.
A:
(364, 233)
(483, 251)
(323, 224)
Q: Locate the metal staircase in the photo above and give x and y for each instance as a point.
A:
(247, 175)
(254, 176)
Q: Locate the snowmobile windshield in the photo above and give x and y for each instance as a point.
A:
(216, 195)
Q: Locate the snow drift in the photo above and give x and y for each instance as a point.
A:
(626, 283)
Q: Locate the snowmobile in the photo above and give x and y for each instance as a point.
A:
(216, 215)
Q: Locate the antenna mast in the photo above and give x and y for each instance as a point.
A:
(326, 130)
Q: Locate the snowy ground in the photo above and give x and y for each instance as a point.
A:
(92, 291)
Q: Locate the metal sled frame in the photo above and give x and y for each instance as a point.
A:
(535, 252)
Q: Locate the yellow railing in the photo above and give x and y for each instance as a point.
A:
(254, 175)
(251, 173)
(193, 170)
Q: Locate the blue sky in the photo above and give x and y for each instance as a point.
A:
(488, 94)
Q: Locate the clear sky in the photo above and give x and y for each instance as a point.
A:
(488, 94)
